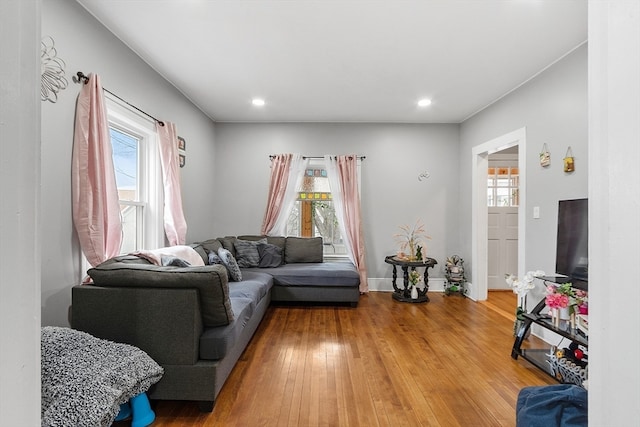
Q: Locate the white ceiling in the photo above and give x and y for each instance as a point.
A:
(346, 60)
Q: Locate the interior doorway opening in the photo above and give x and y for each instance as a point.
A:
(479, 209)
(503, 200)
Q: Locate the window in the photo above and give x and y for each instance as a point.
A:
(138, 177)
(313, 214)
(502, 186)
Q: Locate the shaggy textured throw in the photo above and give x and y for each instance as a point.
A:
(85, 379)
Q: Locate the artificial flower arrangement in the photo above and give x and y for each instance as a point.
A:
(564, 295)
(412, 238)
(521, 287)
(524, 285)
(414, 277)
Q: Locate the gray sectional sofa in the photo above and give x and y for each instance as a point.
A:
(195, 321)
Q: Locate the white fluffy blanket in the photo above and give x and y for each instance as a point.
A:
(186, 253)
(85, 379)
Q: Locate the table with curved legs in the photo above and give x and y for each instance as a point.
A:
(404, 293)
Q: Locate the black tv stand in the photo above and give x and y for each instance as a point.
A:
(539, 356)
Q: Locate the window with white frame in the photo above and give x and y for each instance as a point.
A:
(313, 214)
(502, 186)
(138, 177)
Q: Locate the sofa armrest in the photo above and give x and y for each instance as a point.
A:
(165, 323)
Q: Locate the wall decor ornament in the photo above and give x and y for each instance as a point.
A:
(53, 79)
(182, 151)
(545, 156)
(569, 164)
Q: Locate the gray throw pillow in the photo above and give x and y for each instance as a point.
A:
(206, 247)
(303, 249)
(235, 275)
(247, 252)
(270, 255)
(279, 241)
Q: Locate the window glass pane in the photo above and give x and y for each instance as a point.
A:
(130, 225)
(314, 213)
(490, 199)
(125, 149)
(503, 196)
(515, 200)
(125, 163)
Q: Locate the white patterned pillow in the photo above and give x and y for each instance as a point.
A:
(235, 275)
(214, 258)
(247, 252)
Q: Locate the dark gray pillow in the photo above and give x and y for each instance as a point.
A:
(235, 275)
(208, 246)
(227, 243)
(210, 280)
(247, 252)
(303, 249)
(270, 255)
(201, 251)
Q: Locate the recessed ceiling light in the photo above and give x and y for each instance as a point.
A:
(424, 102)
(258, 102)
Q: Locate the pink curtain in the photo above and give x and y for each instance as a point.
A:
(175, 225)
(96, 210)
(342, 172)
(287, 171)
(277, 186)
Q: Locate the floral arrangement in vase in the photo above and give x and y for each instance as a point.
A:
(524, 285)
(412, 238)
(414, 279)
(565, 297)
(521, 287)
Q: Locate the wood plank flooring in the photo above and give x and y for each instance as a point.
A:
(385, 363)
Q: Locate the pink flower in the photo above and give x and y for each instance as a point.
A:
(557, 300)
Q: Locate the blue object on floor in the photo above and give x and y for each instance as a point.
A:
(561, 405)
(125, 412)
(143, 415)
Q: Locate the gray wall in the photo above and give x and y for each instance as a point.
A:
(391, 193)
(553, 109)
(86, 46)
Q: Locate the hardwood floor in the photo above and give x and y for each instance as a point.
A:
(385, 363)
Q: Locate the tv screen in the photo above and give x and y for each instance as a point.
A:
(572, 249)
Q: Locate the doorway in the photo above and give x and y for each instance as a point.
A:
(479, 209)
(503, 195)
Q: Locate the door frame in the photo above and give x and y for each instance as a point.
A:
(479, 211)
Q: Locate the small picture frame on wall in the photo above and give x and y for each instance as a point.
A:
(183, 160)
(182, 144)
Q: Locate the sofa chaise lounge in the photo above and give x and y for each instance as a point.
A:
(195, 321)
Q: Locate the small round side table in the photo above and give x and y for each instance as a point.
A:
(404, 294)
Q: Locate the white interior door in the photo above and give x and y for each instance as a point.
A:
(502, 245)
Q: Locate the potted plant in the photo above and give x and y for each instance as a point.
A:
(411, 238)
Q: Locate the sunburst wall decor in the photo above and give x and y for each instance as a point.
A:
(52, 70)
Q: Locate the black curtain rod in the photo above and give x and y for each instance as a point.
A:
(272, 156)
(82, 78)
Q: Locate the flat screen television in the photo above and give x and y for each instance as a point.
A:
(572, 248)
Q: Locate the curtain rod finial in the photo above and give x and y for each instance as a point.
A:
(81, 78)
